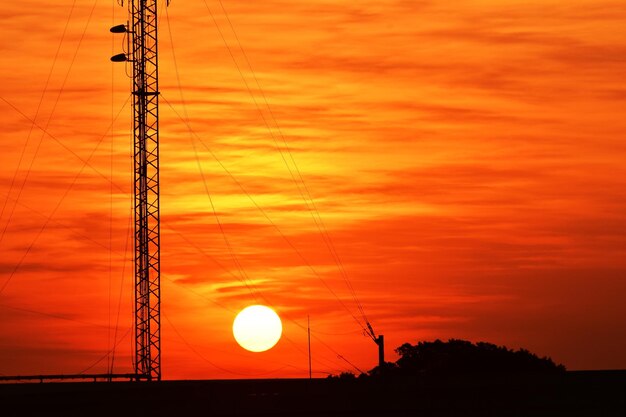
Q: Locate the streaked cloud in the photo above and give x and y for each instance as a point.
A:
(465, 159)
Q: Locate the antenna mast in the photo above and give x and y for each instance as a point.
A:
(143, 43)
(142, 32)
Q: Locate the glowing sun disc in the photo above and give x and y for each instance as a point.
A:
(257, 328)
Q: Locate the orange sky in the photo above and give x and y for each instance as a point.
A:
(466, 159)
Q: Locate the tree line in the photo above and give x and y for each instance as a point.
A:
(459, 356)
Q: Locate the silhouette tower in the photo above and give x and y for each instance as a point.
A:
(142, 53)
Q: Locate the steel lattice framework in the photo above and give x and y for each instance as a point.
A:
(143, 54)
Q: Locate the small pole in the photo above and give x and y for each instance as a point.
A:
(380, 341)
(308, 322)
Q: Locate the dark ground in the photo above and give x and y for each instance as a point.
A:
(589, 394)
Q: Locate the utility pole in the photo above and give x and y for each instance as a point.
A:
(142, 42)
(380, 342)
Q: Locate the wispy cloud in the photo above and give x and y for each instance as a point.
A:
(465, 159)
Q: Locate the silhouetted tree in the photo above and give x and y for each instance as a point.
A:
(388, 368)
(344, 376)
(459, 356)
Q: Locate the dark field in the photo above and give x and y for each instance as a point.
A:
(589, 394)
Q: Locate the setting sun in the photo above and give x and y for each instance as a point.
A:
(257, 328)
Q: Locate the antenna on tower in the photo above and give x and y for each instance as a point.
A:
(142, 52)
